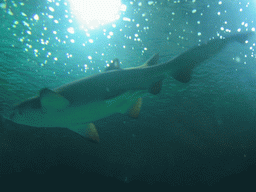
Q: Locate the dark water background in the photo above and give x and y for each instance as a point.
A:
(199, 135)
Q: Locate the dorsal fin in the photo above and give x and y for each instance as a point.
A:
(155, 87)
(151, 61)
(51, 100)
(115, 64)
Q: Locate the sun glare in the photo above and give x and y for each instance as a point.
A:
(93, 13)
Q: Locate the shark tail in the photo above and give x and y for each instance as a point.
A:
(241, 38)
(181, 67)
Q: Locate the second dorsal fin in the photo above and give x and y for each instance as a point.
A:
(115, 64)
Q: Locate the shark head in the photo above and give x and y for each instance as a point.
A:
(38, 111)
(45, 110)
(28, 112)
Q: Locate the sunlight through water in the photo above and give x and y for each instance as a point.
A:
(93, 13)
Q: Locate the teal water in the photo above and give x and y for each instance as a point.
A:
(200, 133)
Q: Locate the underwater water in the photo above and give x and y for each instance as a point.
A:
(201, 133)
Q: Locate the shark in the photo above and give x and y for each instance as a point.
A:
(78, 104)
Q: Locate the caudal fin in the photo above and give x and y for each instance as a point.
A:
(181, 67)
(242, 37)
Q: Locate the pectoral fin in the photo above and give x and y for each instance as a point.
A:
(51, 100)
(89, 132)
(135, 110)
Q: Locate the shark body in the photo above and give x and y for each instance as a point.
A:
(77, 104)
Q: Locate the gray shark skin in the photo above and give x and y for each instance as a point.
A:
(76, 104)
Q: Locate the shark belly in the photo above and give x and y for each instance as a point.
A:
(82, 114)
